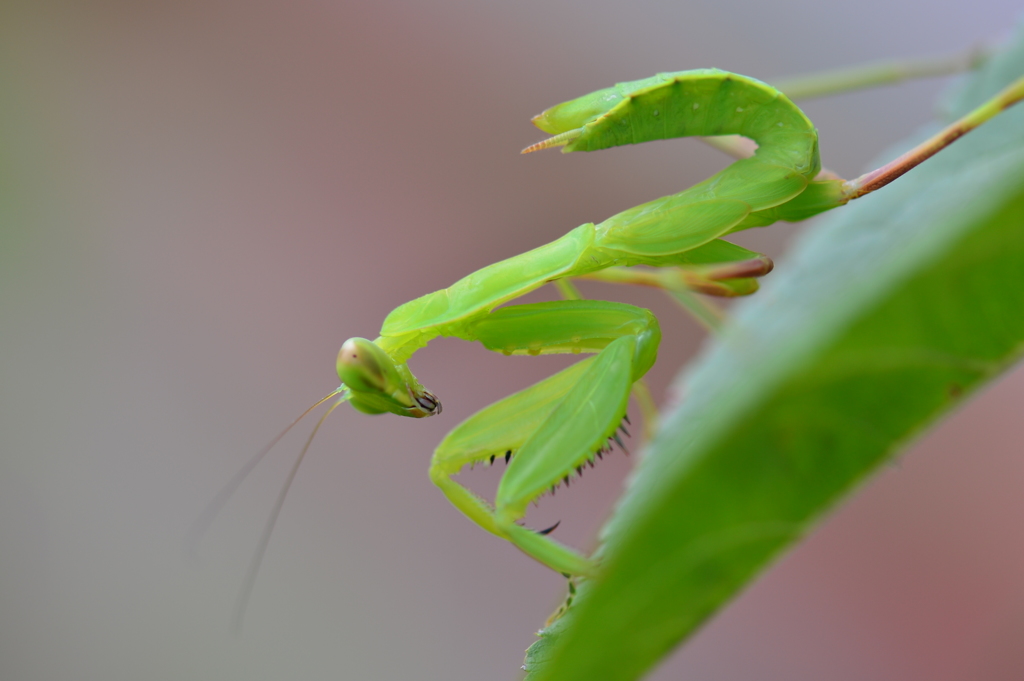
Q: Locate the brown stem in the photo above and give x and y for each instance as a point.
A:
(876, 179)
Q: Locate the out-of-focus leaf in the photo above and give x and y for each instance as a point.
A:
(884, 318)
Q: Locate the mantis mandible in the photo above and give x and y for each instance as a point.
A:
(549, 431)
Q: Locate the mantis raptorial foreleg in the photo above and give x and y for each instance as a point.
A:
(641, 393)
(551, 430)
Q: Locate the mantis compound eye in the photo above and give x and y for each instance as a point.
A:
(364, 367)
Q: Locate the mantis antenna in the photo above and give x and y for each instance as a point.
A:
(202, 524)
(268, 529)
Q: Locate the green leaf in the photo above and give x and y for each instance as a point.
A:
(883, 319)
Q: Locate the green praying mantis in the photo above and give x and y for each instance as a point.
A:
(548, 432)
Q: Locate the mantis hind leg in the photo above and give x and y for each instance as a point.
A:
(718, 268)
(725, 279)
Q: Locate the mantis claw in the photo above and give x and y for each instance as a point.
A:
(550, 529)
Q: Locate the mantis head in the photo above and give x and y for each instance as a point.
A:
(379, 384)
(373, 383)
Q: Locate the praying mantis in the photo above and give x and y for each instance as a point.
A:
(549, 431)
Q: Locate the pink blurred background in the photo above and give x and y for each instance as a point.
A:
(200, 201)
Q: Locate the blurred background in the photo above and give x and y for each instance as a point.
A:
(199, 201)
